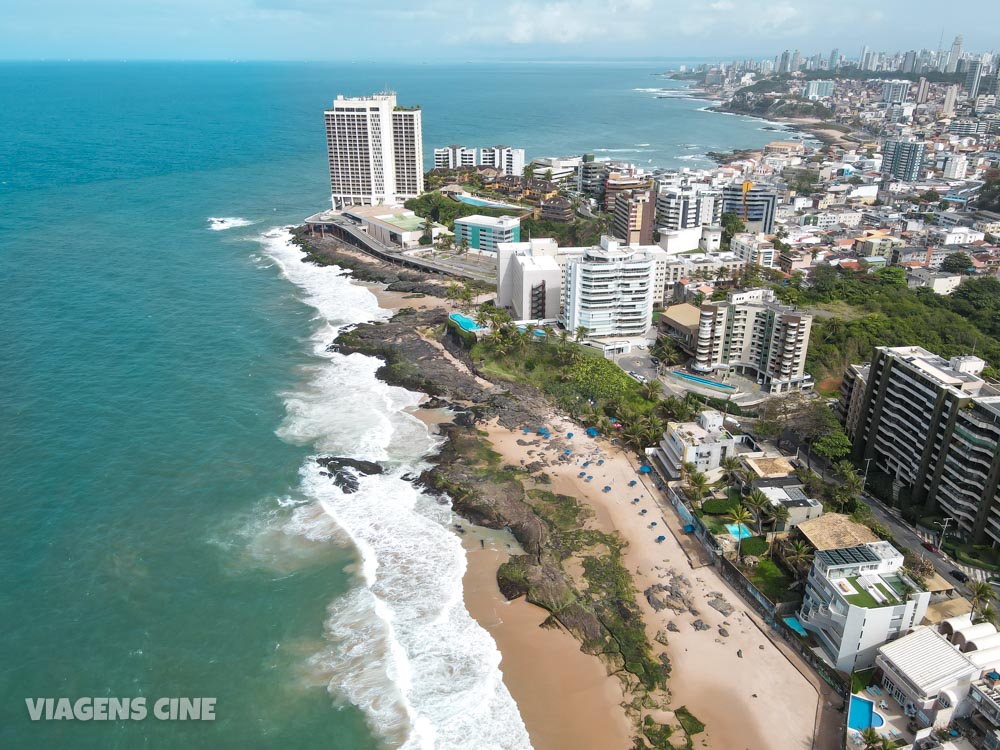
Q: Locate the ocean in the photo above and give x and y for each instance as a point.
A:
(166, 386)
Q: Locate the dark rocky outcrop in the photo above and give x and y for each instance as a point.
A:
(344, 471)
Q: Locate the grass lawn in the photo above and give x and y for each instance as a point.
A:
(835, 309)
(770, 579)
(978, 555)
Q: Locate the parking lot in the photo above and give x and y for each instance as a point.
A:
(638, 361)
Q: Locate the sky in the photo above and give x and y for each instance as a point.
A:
(462, 30)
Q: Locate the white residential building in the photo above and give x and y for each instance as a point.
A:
(704, 443)
(955, 167)
(685, 206)
(955, 235)
(938, 282)
(375, 150)
(926, 675)
(857, 599)
(610, 290)
(752, 334)
(508, 160)
(484, 233)
(755, 249)
(454, 157)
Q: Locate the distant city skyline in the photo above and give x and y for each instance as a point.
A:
(479, 30)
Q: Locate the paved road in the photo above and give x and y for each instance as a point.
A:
(637, 361)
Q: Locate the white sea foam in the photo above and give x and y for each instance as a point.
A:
(220, 223)
(620, 150)
(402, 646)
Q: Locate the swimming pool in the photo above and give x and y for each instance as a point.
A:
(484, 203)
(703, 381)
(794, 624)
(863, 714)
(466, 323)
(739, 532)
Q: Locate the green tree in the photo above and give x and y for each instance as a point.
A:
(731, 225)
(891, 276)
(759, 504)
(697, 485)
(981, 596)
(739, 516)
(834, 446)
(798, 556)
(581, 333)
(956, 263)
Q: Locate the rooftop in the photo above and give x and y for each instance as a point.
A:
(832, 530)
(927, 659)
(847, 556)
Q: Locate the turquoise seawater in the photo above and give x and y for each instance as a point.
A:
(163, 386)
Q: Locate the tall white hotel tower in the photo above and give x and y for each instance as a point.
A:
(376, 151)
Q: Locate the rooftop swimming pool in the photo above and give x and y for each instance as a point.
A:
(703, 381)
(484, 203)
(863, 714)
(739, 532)
(465, 323)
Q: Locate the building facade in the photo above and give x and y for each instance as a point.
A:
(903, 159)
(704, 443)
(486, 232)
(610, 290)
(756, 211)
(933, 426)
(755, 250)
(508, 160)
(633, 219)
(857, 599)
(375, 150)
(751, 334)
(454, 157)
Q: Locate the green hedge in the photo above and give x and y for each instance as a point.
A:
(754, 545)
(719, 506)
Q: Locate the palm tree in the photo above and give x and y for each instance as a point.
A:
(731, 466)
(581, 332)
(779, 515)
(759, 503)
(981, 595)
(564, 337)
(739, 516)
(651, 390)
(482, 318)
(697, 486)
(797, 555)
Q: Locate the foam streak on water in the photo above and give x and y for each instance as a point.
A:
(403, 648)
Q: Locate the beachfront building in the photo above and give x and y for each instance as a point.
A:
(686, 206)
(484, 233)
(507, 160)
(393, 226)
(756, 210)
(611, 290)
(933, 426)
(633, 219)
(752, 334)
(530, 278)
(926, 675)
(454, 157)
(375, 150)
(819, 90)
(789, 492)
(704, 443)
(858, 598)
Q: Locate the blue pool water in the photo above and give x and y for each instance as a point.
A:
(794, 624)
(480, 202)
(467, 323)
(739, 532)
(703, 381)
(863, 714)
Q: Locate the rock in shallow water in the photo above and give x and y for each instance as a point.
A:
(345, 471)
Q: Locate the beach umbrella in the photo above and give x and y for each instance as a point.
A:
(645, 469)
(635, 500)
(632, 483)
(569, 434)
(527, 431)
(600, 462)
(567, 451)
(582, 474)
(586, 463)
(652, 524)
(643, 512)
(589, 477)
(660, 538)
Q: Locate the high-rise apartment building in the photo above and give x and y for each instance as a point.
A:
(454, 157)
(685, 206)
(508, 160)
(834, 59)
(375, 148)
(633, 218)
(950, 97)
(592, 176)
(756, 209)
(956, 166)
(933, 426)
(923, 89)
(895, 92)
(484, 233)
(755, 250)
(954, 56)
(819, 90)
(903, 159)
(750, 333)
(610, 290)
(972, 76)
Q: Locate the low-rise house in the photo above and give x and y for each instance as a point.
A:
(790, 493)
(926, 675)
(938, 282)
(704, 443)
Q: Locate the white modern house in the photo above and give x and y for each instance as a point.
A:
(704, 443)
(926, 675)
(857, 599)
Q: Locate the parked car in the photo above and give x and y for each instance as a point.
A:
(930, 546)
(959, 576)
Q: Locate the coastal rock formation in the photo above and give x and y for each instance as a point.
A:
(718, 603)
(344, 471)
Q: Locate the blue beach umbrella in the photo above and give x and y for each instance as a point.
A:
(660, 538)
(569, 434)
(567, 451)
(582, 474)
(643, 512)
(645, 469)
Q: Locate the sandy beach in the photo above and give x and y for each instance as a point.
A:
(739, 684)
